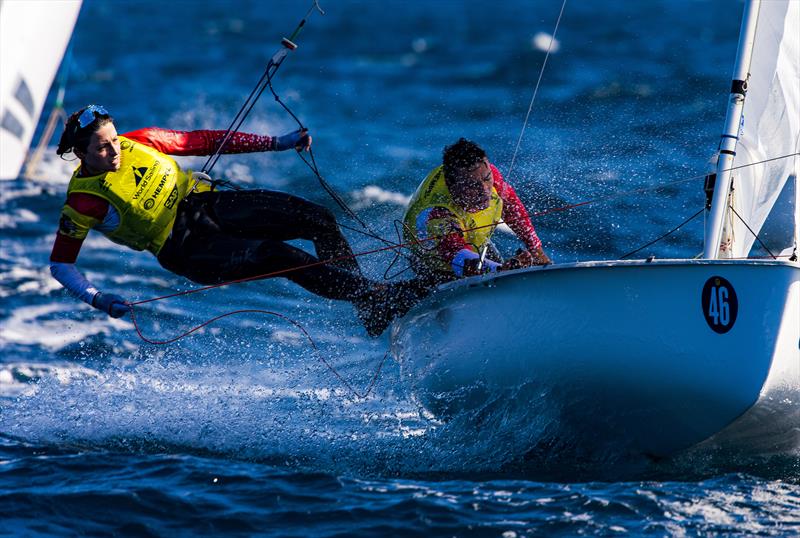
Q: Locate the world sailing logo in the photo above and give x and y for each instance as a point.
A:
(138, 174)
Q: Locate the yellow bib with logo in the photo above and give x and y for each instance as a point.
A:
(145, 191)
(477, 227)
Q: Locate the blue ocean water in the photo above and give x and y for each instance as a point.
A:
(241, 429)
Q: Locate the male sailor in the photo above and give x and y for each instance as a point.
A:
(454, 212)
(131, 190)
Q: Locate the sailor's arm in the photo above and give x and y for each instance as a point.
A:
(206, 142)
(73, 227)
(517, 218)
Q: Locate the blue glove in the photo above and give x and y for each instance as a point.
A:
(298, 139)
(111, 304)
(470, 267)
(490, 267)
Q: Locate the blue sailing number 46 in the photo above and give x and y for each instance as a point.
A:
(720, 304)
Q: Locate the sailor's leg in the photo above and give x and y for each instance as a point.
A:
(278, 216)
(220, 258)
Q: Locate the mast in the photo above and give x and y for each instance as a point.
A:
(730, 135)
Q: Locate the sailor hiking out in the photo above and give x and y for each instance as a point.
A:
(455, 210)
(129, 188)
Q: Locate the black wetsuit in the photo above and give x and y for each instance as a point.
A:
(220, 236)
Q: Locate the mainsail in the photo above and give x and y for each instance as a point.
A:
(33, 37)
(765, 197)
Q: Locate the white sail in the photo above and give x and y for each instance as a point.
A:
(770, 129)
(33, 38)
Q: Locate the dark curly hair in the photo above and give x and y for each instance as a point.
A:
(464, 154)
(77, 137)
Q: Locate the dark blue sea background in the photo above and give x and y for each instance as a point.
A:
(241, 429)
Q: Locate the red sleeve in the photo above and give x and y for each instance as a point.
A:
(65, 249)
(199, 142)
(71, 232)
(514, 213)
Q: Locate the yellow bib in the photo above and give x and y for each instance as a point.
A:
(145, 191)
(433, 192)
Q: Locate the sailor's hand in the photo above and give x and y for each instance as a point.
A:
(540, 258)
(473, 267)
(522, 258)
(299, 140)
(113, 305)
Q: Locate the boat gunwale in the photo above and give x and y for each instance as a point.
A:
(482, 280)
(490, 279)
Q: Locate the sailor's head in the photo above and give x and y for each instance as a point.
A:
(468, 175)
(90, 134)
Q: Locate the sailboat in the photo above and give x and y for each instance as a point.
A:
(653, 355)
(33, 38)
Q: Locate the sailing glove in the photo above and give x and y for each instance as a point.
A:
(111, 304)
(298, 140)
(471, 267)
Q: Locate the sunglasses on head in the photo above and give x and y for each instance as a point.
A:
(89, 115)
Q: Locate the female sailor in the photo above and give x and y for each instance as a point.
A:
(128, 188)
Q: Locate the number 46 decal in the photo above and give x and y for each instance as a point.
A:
(720, 305)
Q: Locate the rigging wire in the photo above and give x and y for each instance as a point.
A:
(264, 82)
(535, 90)
(654, 241)
(311, 163)
(274, 63)
(752, 232)
(533, 98)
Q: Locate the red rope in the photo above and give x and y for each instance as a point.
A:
(359, 395)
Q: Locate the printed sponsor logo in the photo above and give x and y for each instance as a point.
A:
(432, 184)
(160, 185)
(151, 201)
(144, 175)
(138, 174)
(172, 198)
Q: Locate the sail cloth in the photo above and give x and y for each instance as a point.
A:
(33, 37)
(767, 196)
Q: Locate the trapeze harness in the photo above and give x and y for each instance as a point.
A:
(145, 192)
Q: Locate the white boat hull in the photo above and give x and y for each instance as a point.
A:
(622, 350)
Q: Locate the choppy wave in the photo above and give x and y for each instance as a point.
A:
(372, 194)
